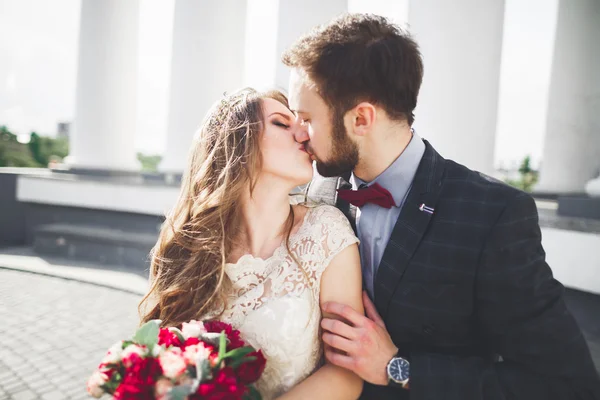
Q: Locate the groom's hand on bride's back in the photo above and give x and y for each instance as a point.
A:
(357, 342)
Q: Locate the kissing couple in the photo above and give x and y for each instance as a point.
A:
(398, 275)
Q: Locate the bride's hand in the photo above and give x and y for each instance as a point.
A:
(365, 341)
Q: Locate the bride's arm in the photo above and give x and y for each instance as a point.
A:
(342, 283)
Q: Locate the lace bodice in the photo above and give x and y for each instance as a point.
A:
(276, 304)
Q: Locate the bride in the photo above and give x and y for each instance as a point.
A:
(234, 249)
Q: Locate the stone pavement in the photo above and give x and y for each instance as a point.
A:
(54, 332)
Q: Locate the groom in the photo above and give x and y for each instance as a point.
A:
(463, 305)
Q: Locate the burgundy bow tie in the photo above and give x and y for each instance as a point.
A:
(375, 194)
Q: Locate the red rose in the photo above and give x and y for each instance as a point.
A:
(205, 390)
(191, 341)
(132, 391)
(168, 338)
(235, 342)
(232, 334)
(249, 372)
(226, 377)
(223, 387)
(139, 380)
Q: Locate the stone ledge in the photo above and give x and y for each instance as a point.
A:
(117, 278)
(551, 219)
(579, 207)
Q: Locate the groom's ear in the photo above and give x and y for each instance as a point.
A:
(362, 118)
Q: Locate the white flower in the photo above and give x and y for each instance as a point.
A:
(162, 387)
(172, 363)
(157, 351)
(113, 355)
(93, 385)
(195, 353)
(132, 351)
(192, 329)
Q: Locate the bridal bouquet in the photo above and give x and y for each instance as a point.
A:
(202, 360)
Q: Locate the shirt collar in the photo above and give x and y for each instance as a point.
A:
(398, 177)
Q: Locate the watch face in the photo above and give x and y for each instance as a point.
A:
(398, 369)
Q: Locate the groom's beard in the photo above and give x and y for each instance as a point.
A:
(344, 152)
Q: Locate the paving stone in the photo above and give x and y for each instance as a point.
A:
(64, 329)
(54, 395)
(26, 394)
(41, 385)
(14, 387)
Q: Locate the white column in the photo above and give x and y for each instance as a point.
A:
(273, 26)
(461, 43)
(571, 154)
(104, 127)
(207, 60)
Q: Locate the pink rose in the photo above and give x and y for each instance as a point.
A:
(172, 363)
(185, 380)
(113, 355)
(162, 387)
(192, 329)
(196, 351)
(95, 382)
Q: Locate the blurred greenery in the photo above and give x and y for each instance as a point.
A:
(43, 150)
(37, 153)
(528, 176)
(149, 161)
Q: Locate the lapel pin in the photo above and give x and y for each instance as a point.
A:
(426, 209)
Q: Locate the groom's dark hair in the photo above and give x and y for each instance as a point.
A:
(361, 57)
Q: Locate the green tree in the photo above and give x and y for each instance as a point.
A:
(35, 147)
(13, 153)
(528, 178)
(37, 153)
(43, 149)
(525, 167)
(6, 135)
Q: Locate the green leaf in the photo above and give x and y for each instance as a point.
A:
(180, 392)
(203, 371)
(178, 333)
(252, 394)
(222, 346)
(238, 353)
(237, 363)
(147, 334)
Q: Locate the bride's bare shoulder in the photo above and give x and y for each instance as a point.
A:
(300, 211)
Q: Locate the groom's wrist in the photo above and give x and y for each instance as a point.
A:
(398, 371)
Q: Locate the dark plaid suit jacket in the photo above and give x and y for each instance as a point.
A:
(467, 296)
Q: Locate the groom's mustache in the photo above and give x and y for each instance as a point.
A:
(310, 151)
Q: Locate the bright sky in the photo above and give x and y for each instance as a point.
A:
(38, 62)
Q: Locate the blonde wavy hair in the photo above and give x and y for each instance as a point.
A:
(188, 261)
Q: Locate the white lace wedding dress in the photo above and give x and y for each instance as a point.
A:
(276, 304)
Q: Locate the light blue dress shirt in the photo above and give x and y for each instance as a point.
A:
(374, 224)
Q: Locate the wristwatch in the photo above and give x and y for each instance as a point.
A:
(398, 372)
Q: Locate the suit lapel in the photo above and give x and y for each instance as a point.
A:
(410, 227)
